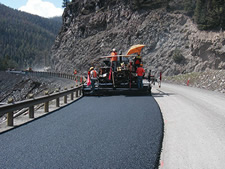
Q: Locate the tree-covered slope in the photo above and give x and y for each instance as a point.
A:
(25, 39)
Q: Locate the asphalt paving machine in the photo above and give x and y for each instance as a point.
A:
(123, 79)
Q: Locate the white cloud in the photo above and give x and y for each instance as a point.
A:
(41, 8)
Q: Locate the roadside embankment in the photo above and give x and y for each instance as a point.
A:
(19, 86)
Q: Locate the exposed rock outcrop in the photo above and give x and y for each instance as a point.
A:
(173, 42)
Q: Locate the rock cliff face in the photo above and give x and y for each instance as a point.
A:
(173, 43)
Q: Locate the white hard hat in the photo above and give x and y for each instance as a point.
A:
(114, 49)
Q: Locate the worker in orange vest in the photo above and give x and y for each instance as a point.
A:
(75, 72)
(140, 73)
(113, 59)
(93, 77)
(160, 79)
(137, 61)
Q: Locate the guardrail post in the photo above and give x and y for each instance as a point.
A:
(80, 91)
(65, 97)
(10, 119)
(77, 93)
(10, 114)
(57, 99)
(72, 94)
(46, 103)
(31, 108)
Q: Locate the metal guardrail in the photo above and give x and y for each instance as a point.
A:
(77, 78)
(56, 74)
(11, 107)
(30, 103)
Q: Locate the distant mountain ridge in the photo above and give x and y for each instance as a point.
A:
(25, 39)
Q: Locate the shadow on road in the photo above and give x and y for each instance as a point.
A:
(120, 93)
(161, 93)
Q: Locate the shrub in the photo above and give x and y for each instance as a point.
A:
(177, 56)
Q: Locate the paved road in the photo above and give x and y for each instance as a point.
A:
(93, 132)
(194, 135)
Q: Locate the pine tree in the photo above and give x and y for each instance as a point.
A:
(200, 14)
(189, 7)
(65, 3)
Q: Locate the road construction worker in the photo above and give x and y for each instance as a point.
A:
(93, 77)
(160, 79)
(113, 59)
(140, 73)
(137, 61)
(75, 72)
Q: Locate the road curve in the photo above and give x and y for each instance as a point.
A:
(93, 132)
(194, 120)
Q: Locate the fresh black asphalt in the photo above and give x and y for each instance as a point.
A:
(93, 132)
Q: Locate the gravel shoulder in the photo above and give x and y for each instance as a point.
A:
(194, 127)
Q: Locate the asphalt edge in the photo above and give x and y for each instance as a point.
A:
(158, 161)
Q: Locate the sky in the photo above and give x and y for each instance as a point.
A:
(44, 8)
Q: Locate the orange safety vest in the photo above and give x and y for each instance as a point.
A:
(140, 71)
(113, 58)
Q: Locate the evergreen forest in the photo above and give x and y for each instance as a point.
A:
(210, 14)
(25, 39)
(207, 14)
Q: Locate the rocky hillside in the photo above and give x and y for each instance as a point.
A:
(173, 42)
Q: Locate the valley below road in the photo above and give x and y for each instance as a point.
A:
(194, 124)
